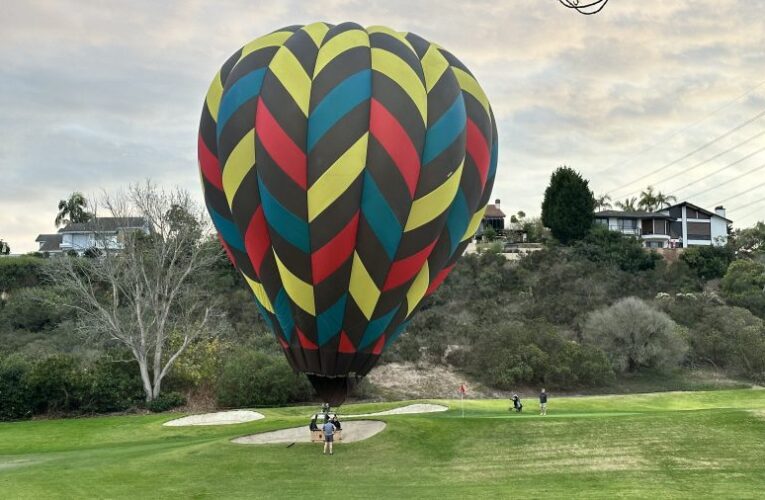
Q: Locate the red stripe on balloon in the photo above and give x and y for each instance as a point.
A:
(331, 256)
(346, 346)
(256, 239)
(478, 149)
(304, 342)
(282, 149)
(440, 277)
(391, 135)
(405, 269)
(227, 249)
(379, 346)
(208, 164)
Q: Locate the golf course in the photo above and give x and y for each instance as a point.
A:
(662, 445)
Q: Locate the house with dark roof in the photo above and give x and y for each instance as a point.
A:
(98, 233)
(681, 225)
(493, 218)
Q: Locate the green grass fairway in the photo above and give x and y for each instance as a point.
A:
(668, 445)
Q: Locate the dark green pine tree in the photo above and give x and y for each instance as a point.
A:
(568, 206)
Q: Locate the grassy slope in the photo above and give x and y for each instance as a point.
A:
(709, 444)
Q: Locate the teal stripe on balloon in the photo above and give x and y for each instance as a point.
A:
(380, 216)
(348, 94)
(445, 130)
(330, 321)
(458, 220)
(288, 225)
(227, 229)
(376, 327)
(283, 312)
(245, 89)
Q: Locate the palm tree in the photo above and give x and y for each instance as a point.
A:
(651, 201)
(603, 202)
(664, 200)
(628, 205)
(73, 210)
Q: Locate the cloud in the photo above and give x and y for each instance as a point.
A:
(95, 96)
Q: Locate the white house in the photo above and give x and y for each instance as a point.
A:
(99, 233)
(678, 226)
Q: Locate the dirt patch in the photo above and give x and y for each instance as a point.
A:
(406, 410)
(217, 418)
(423, 381)
(352, 431)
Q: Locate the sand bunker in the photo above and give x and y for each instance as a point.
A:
(352, 431)
(406, 410)
(217, 418)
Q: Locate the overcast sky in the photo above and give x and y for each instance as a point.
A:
(96, 95)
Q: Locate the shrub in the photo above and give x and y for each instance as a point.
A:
(744, 285)
(166, 401)
(626, 252)
(634, 335)
(250, 378)
(34, 308)
(15, 402)
(708, 262)
(56, 384)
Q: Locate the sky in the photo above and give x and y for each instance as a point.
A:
(97, 95)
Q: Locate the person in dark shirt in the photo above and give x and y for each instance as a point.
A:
(543, 402)
(517, 405)
(336, 423)
(313, 425)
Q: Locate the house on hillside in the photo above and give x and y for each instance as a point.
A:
(99, 233)
(493, 218)
(679, 226)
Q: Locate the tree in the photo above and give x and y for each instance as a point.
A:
(603, 202)
(147, 295)
(568, 205)
(744, 285)
(749, 243)
(73, 210)
(5, 248)
(634, 335)
(613, 247)
(651, 201)
(628, 205)
(708, 262)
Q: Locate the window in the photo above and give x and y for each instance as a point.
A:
(699, 231)
(676, 212)
(627, 223)
(603, 222)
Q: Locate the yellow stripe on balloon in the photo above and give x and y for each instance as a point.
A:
(239, 162)
(433, 204)
(473, 226)
(337, 178)
(214, 94)
(417, 290)
(293, 77)
(335, 46)
(274, 39)
(317, 32)
(401, 37)
(362, 288)
(298, 290)
(260, 293)
(471, 86)
(434, 64)
(404, 76)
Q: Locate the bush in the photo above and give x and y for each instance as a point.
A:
(708, 262)
(34, 308)
(625, 252)
(113, 385)
(166, 401)
(15, 402)
(634, 336)
(250, 378)
(56, 384)
(744, 285)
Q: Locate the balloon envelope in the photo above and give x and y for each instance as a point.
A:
(345, 169)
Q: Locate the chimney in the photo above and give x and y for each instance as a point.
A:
(496, 203)
(720, 211)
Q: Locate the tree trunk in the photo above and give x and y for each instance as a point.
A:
(145, 378)
(157, 385)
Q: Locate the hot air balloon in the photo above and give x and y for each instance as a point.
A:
(345, 170)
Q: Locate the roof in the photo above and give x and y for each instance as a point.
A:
(103, 224)
(50, 242)
(632, 215)
(698, 209)
(493, 211)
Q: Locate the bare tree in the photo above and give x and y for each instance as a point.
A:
(141, 287)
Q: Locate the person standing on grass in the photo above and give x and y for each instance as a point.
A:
(543, 402)
(329, 434)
